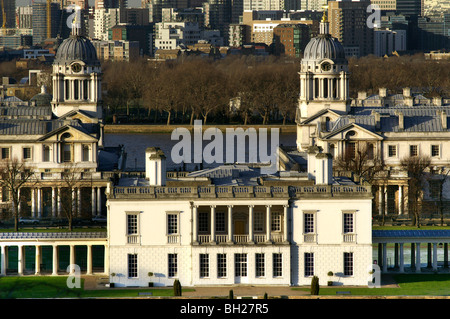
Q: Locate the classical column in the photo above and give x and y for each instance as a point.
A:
(39, 200)
(402, 259)
(400, 199)
(54, 212)
(386, 200)
(55, 261)
(3, 256)
(413, 255)
(380, 199)
(434, 256)
(213, 224)
(20, 262)
(194, 223)
(268, 222)
(79, 201)
(58, 200)
(74, 203)
(384, 257)
(250, 223)
(33, 203)
(37, 263)
(89, 260)
(72, 258)
(417, 257)
(230, 223)
(93, 201)
(99, 200)
(286, 225)
(406, 201)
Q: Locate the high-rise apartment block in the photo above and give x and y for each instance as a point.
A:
(388, 41)
(291, 39)
(348, 23)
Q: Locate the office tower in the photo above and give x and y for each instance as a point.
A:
(410, 7)
(8, 13)
(45, 26)
(348, 23)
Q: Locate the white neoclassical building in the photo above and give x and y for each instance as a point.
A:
(62, 131)
(390, 125)
(233, 225)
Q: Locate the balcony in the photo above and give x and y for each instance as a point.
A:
(349, 238)
(133, 239)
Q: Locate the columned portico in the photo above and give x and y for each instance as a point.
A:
(54, 242)
(240, 223)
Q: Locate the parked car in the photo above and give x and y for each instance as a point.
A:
(27, 220)
(99, 219)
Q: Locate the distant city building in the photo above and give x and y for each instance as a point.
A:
(261, 30)
(410, 7)
(385, 5)
(291, 39)
(24, 17)
(388, 41)
(141, 33)
(238, 35)
(271, 5)
(313, 4)
(125, 51)
(40, 20)
(8, 20)
(348, 23)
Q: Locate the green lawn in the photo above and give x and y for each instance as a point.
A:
(56, 287)
(409, 285)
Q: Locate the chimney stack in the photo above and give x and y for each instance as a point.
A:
(324, 169)
(155, 166)
(444, 119)
(311, 160)
(401, 121)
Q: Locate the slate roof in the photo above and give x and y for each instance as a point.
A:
(411, 233)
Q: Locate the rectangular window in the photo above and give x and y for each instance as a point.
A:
(309, 223)
(132, 225)
(172, 224)
(5, 152)
(434, 150)
(392, 151)
(132, 266)
(221, 265)
(258, 221)
(240, 265)
(85, 155)
(309, 264)
(204, 265)
(203, 222)
(26, 153)
(435, 189)
(220, 221)
(277, 265)
(413, 150)
(46, 150)
(260, 265)
(348, 223)
(173, 265)
(67, 152)
(276, 221)
(348, 264)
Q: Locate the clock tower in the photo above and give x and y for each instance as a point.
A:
(77, 77)
(323, 75)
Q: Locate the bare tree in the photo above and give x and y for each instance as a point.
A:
(14, 174)
(416, 167)
(362, 161)
(71, 180)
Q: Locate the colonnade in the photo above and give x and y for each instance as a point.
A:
(55, 257)
(383, 199)
(251, 235)
(416, 253)
(37, 205)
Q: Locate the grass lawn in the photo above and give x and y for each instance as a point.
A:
(56, 287)
(409, 285)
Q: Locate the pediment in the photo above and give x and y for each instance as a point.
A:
(69, 134)
(354, 131)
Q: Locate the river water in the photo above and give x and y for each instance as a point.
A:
(136, 144)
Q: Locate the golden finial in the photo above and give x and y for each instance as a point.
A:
(324, 17)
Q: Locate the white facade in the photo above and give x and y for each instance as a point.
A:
(169, 35)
